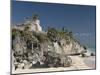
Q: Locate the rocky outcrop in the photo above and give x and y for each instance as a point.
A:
(53, 48)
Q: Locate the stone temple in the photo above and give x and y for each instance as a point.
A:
(32, 25)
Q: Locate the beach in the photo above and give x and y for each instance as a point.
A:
(78, 63)
(83, 62)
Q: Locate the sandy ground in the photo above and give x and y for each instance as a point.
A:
(78, 63)
(83, 62)
(90, 61)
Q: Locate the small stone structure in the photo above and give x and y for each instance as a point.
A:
(33, 25)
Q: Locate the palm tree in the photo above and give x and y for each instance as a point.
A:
(63, 29)
(35, 16)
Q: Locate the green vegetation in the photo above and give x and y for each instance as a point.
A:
(52, 35)
(57, 35)
(35, 16)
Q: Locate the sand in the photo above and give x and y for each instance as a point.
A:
(78, 63)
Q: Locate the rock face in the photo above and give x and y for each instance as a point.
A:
(31, 46)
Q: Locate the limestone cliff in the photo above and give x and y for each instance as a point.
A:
(51, 48)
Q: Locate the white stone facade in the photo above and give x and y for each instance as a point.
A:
(34, 25)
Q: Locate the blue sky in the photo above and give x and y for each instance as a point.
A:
(79, 19)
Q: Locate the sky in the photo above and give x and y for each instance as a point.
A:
(79, 19)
